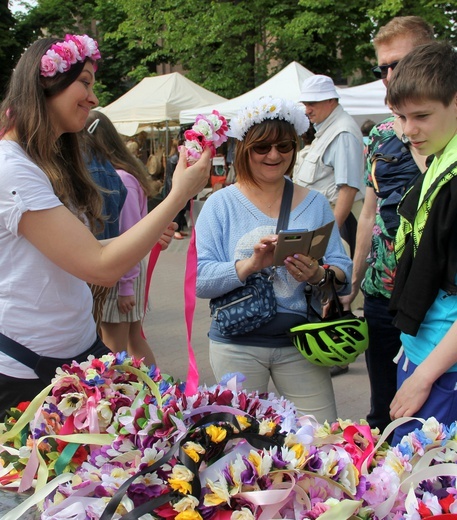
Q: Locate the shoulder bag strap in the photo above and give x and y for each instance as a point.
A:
(18, 352)
(286, 203)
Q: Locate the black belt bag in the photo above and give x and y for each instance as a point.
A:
(44, 366)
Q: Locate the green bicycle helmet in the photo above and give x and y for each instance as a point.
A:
(329, 343)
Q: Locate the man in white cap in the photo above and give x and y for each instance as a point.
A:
(334, 162)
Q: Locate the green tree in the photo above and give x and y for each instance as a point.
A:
(335, 38)
(329, 37)
(227, 46)
(442, 15)
(224, 45)
(10, 46)
(95, 18)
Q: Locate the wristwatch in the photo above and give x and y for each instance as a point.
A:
(323, 280)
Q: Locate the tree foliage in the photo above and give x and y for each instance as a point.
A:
(10, 46)
(227, 46)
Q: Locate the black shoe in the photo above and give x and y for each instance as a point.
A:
(338, 370)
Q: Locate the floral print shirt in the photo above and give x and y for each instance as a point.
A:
(381, 260)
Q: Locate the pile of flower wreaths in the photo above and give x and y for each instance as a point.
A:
(113, 439)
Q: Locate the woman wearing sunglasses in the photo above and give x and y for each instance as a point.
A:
(236, 237)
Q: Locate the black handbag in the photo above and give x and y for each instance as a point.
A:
(249, 307)
(245, 308)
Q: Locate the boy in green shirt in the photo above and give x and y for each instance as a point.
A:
(423, 93)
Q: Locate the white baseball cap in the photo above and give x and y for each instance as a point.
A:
(318, 88)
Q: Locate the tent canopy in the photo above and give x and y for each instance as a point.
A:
(158, 99)
(285, 83)
(362, 102)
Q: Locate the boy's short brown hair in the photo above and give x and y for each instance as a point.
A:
(428, 72)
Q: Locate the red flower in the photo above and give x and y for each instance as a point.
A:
(424, 511)
(80, 455)
(446, 503)
(22, 406)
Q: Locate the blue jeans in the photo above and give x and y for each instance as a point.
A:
(308, 386)
(382, 371)
(441, 403)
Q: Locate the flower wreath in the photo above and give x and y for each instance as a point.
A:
(205, 441)
(114, 437)
(268, 108)
(62, 55)
(207, 132)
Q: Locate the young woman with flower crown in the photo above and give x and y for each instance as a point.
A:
(235, 238)
(48, 208)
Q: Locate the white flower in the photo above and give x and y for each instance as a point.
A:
(204, 127)
(349, 478)
(188, 503)
(268, 108)
(180, 472)
(71, 402)
(215, 120)
(24, 452)
(243, 514)
(105, 414)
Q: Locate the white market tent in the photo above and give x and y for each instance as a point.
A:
(155, 100)
(285, 83)
(365, 101)
(362, 102)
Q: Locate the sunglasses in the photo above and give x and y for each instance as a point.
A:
(381, 71)
(282, 147)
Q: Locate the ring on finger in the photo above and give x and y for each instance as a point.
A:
(311, 264)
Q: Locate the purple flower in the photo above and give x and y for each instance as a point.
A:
(249, 475)
(140, 493)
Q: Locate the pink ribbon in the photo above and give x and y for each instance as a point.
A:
(190, 282)
(362, 449)
(153, 257)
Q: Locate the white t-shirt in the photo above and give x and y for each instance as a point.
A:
(42, 307)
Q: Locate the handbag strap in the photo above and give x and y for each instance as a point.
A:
(18, 352)
(286, 203)
(308, 290)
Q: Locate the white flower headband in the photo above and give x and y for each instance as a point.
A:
(268, 108)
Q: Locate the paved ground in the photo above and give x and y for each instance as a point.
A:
(166, 332)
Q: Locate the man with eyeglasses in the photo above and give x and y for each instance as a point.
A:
(390, 170)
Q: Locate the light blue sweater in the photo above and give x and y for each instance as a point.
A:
(229, 225)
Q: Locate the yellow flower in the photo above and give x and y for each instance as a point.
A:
(299, 449)
(192, 449)
(216, 433)
(180, 485)
(266, 427)
(219, 495)
(243, 421)
(189, 515)
(256, 460)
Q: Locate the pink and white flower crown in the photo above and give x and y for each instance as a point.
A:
(62, 55)
(207, 132)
